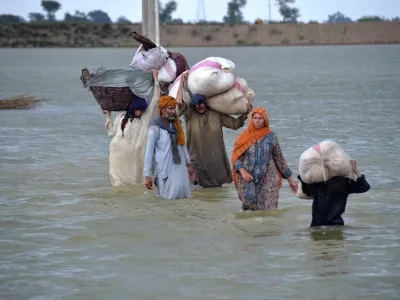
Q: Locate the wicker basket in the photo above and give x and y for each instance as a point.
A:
(109, 98)
(113, 98)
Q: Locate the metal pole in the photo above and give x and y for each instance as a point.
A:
(269, 8)
(150, 21)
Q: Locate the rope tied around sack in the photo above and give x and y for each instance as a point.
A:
(324, 164)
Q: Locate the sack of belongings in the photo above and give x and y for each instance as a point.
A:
(235, 100)
(115, 89)
(174, 67)
(323, 161)
(153, 58)
(169, 64)
(167, 73)
(211, 76)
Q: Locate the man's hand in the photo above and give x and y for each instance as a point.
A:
(192, 174)
(184, 76)
(249, 107)
(246, 175)
(354, 167)
(149, 183)
(107, 113)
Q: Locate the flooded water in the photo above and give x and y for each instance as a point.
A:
(67, 234)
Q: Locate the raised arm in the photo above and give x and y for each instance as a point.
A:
(183, 108)
(281, 164)
(235, 123)
(228, 121)
(156, 84)
(359, 186)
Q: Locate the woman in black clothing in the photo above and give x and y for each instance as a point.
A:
(330, 198)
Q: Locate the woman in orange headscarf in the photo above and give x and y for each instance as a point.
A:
(259, 165)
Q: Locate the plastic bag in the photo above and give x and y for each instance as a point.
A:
(151, 59)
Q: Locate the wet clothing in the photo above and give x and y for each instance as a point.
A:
(170, 175)
(264, 160)
(205, 140)
(127, 145)
(330, 198)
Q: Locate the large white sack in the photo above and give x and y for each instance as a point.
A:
(153, 58)
(211, 76)
(233, 101)
(167, 72)
(324, 161)
(224, 64)
(173, 89)
(300, 194)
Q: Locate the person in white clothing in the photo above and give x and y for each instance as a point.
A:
(129, 133)
(166, 157)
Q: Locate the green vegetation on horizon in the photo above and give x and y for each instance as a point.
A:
(233, 16)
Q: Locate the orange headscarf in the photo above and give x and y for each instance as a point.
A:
(164, 102)
(248, 137)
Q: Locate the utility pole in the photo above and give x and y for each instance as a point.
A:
(201, 11)
(150, 21)
(269, 8)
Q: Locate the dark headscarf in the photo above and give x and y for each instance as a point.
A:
(198, 99)
(137, 104)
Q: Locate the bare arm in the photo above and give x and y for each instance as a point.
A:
(183, 108)
(179, 96)
(280, 160)
(281, 165)
(156, 85)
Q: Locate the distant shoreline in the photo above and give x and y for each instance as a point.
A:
(202, 46)
(91, 35)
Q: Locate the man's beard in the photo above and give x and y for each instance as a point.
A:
(201, 112)
(171, 117)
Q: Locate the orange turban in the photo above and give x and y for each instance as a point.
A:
(248, 137)
(164, 102)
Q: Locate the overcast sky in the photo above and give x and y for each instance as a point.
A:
(215, 9)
